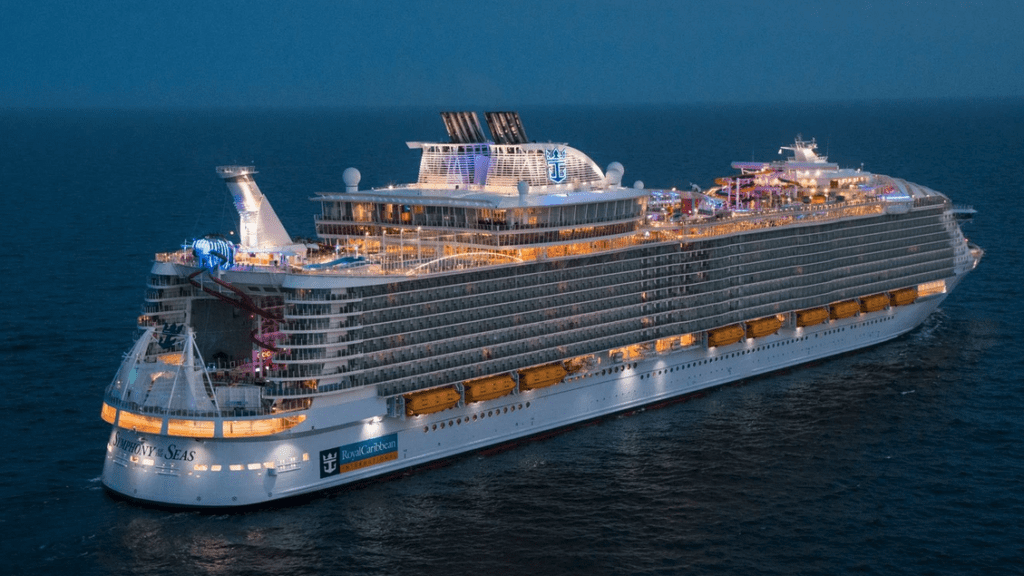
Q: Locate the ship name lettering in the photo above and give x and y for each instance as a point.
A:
(366, 450)
(136, 448)
(175, 453)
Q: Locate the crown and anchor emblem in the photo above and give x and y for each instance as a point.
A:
(556, 164)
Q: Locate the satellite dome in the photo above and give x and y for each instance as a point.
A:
(351, 178)
(614, 174)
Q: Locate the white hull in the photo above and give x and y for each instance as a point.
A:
(170, 470)
(268, 370)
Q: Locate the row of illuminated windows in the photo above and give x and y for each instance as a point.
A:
(198, 428)
(370, 235)
(240, 467)
(340, 214)
(216, 467)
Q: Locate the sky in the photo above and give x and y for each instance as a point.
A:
(193, 54)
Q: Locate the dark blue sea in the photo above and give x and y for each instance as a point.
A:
(907, 458)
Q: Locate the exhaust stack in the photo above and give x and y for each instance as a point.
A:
(259, 228)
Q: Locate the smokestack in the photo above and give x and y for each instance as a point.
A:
(259, 227)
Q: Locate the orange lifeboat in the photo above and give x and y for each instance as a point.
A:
(430, 401)
(874, 303)
(903, 296)
(811, 317)
(725, 335)
(843, 309)
(763, 327)
(488, 388)
(541, 376)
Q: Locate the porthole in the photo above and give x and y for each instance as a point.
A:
(520, 406)
(505, 411)
(426, 429)
(474, 417)
(490, 413)
(435, 427)
(513, 408)
(450, 423)
(527, 404)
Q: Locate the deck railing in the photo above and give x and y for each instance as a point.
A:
(430, 252)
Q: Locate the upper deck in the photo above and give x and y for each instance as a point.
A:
(486, 202)
(396, 249)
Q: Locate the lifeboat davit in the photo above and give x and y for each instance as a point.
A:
(903, 296)
(874, 303)
(763, 327)
(488, 388)
(843, 309)
(541, 376)
(725, 335)
(811, 317)
(430, 401)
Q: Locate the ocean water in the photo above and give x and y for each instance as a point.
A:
(907, 458)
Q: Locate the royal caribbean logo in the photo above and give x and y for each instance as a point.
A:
(556, 164)
(358, 455)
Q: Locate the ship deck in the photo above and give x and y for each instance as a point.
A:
(414, 251)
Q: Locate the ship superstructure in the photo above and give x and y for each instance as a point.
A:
(514, 288)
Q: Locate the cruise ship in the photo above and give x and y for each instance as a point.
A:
(514, 289)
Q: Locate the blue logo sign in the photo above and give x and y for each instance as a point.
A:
(358, 455)
(556, 165)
